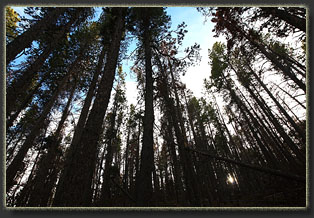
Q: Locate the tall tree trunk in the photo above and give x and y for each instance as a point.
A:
(46, 174)
(291, 19)
(76, 187)
(175, 164)
(292, 97)
(126, 162)
(23, 104)
(170, 111)
(18, 90)
(188, 168)
(18, 160)
(254, 129)
(271, 138)
(82, 119)
(137, 156)
(301, 133)
(144, 178)
(105, 197)
(25, 39)
(272, 57)
(232, 26)
(279, 128)
(88, 99)
(205, 170)
(24, 194)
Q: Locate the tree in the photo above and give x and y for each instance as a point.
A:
(17, 91)
(18, 159)
(112, 139)
(45, 177)
(228, 22)
(149, 24)
(78, 175)
(25, 39)
(11, 18)
(72, 140)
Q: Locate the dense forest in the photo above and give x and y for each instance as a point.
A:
(73, 140)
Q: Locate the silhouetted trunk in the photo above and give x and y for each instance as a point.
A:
(278, 127)
(291, 19)
(18, 160)
(105, 197)
(301, 133)
(76, 187)
(23, 104)
(292, 97)
(270, 159)
(272, 57)
(126, 162)
(18, 90)
(234, 28)
(46, 174)
(24, 194)
(170, 112)
(270, 137)
(25, 39)
(188, 168)
(144, 178)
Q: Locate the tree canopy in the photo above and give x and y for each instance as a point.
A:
(74, 140)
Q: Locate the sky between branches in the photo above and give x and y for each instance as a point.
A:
(198, 32)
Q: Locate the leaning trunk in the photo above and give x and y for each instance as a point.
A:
(76, 187)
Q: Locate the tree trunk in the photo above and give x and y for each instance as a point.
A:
(292, 97)
(18, 160)
(272, 57)
(232, 26)
(46, 174)
(126, 164)
(23, 104)
(144, 178)
(293, 20)
(170, 112)
(18, 90)
(25, 39)
(279, 128)
(76, 187)
(105, 197)
(301, 133)
(187, 164)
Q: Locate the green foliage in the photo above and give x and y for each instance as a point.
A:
(107, 24)
(218, 63)
(156, 18)
(11, 20)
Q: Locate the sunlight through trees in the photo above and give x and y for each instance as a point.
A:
(74, 140)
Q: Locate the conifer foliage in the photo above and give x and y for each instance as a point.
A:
(73, 139)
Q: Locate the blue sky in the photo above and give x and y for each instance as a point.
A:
(198, 32)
